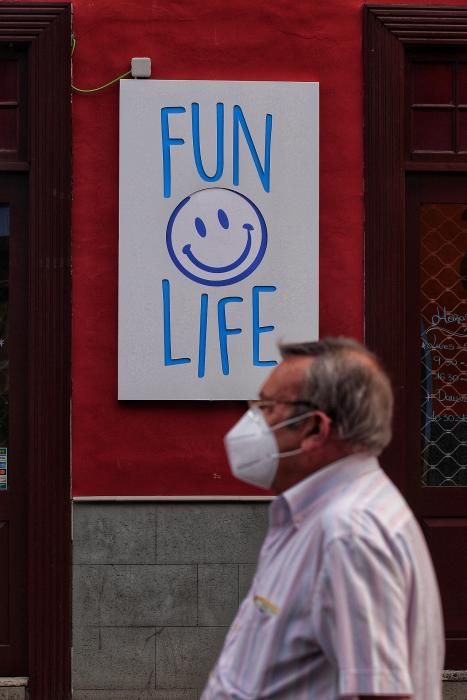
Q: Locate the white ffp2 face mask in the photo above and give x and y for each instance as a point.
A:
(252, 448)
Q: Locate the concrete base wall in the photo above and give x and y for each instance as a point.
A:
(155, 589)
(13, 693)
(455, 690)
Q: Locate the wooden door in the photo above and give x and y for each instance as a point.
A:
(415, 245)
(13, 425)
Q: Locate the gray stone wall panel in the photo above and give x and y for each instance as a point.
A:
(214, 533)
(12, 694)
(135, 595)
(114, 533)
(245, 578)
(185, 655)
(217, 594)
(114, 658)
(454, 690)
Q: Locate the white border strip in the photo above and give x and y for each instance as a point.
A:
(91, 499)
(14, 682)
(454, 675)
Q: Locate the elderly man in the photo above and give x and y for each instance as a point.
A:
(344, 603)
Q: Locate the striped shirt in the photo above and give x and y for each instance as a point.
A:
(344, 601)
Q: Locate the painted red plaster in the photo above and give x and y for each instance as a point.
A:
(161, 448)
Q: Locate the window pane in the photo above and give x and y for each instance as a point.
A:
(8, 81)
(462, 83)
(8, 131)
(432, 83)
(444, 344)
(462, 130)
(432, 130)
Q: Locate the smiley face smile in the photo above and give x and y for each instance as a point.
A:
(225, 268)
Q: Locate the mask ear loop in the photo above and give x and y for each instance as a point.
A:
(290, 421)
(289, 453)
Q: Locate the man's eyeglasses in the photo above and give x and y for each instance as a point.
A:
(269, 404)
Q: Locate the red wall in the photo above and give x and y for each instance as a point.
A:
(160, 448)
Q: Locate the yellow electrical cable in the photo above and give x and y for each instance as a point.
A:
(101, 87)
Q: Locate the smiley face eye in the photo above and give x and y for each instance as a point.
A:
(223, 218)
(200, 227)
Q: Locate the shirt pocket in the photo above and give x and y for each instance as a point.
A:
(250, 646)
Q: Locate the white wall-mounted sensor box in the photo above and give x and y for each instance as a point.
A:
(140, 67)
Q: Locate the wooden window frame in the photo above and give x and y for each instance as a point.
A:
(388, 30)
(46, 30)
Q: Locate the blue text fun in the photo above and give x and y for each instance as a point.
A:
(169, 117)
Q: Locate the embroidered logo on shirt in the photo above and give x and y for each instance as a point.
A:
(265, 605)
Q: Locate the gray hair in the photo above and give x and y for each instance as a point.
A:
(346, 382)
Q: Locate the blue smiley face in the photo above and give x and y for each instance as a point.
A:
(216, 236)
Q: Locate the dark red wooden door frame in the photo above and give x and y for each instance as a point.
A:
(390, 293)
(46, 30)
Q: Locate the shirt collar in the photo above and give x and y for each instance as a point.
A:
(302, 496)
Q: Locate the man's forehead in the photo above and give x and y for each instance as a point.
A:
(287, 377)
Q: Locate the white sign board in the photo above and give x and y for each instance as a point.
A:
(218, 257)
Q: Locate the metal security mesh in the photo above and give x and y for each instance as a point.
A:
(444, 344)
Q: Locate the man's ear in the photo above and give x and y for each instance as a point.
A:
(319, 432)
